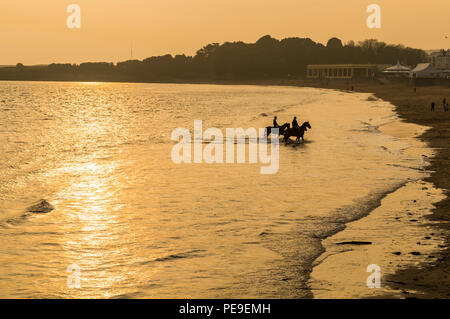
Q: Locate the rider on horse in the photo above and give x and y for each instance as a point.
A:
(294, 123)
(275, 124)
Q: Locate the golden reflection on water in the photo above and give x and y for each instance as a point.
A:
(139, 225)
(91, 219)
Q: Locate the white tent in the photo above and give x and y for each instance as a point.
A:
(424, 70)
(397, 69)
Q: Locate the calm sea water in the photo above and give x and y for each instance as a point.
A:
(139, 225)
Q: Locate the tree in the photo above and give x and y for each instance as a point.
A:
(267, 57)
(334, 44)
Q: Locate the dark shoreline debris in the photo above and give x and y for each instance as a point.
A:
(41, 207)
(355, 243)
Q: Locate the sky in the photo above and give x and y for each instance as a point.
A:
(35, 31)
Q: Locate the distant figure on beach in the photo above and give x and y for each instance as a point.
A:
(415, 90)
(275, 124)
(294, 122)
(432, 106)
(446, 107)
(444, 101)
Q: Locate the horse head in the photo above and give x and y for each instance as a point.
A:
(306, 125)
(284, 127)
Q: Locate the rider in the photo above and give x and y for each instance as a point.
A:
(275, 124)
(294, 122)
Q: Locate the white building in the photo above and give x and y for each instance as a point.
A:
(397, 70)
(425, 70)
(342, 71)
(441, 60)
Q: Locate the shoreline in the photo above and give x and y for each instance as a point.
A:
(426, 279)
(340, 272)
(430, 279)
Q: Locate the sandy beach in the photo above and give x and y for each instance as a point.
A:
(431, 277)
(428, 279)
(396, 235)
(431, 280)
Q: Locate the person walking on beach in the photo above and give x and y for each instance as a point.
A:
(294, 122)
(444, 101)
(432, 106)
(275, 124)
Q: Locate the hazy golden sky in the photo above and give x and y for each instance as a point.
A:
(35, 31)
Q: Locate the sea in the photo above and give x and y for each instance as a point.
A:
(129, 222)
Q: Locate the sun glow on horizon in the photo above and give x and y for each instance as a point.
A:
(35, 32)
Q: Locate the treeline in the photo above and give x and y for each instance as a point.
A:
(266, 58)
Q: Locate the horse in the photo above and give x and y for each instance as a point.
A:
(281, 129)
(298, 132)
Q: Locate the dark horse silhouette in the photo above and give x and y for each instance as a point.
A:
(298, 132)
(281, 129)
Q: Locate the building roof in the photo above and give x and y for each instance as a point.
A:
(424, 67)
(341, 66)
(397, 68)
(425, 70)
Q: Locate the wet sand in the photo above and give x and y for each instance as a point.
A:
(431, 277)
(341, 272)
(427, 279)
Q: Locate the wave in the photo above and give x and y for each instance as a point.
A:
(302, 246)
(338, 220)
(40, 207)
(182, 255)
